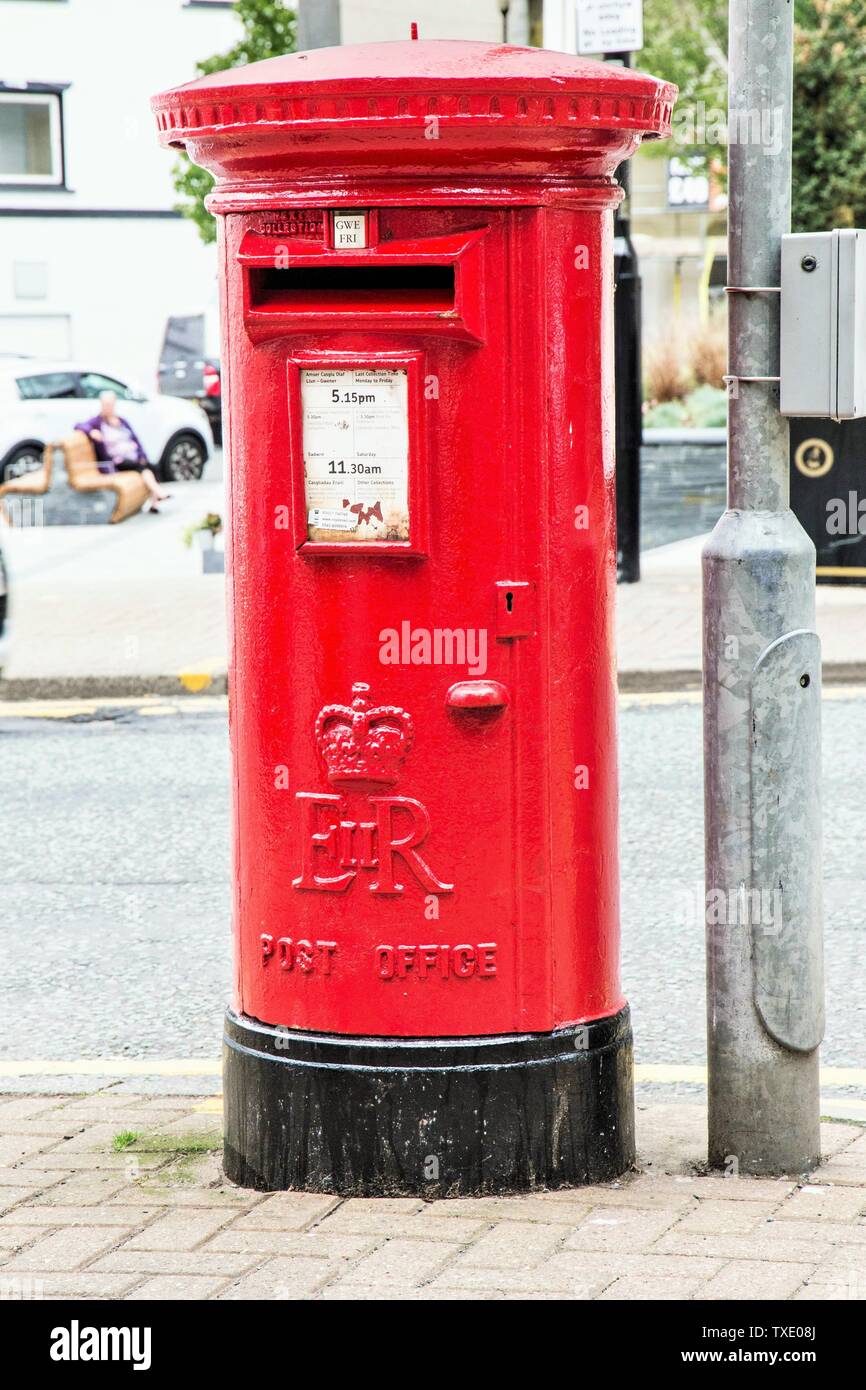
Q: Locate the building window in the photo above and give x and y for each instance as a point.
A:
(30, 279)
(31, 139)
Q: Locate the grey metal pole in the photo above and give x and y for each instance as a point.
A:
(761, 674)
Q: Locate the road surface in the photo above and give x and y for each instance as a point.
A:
(115, 880)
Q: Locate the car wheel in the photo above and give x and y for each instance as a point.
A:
(22, 460)
(184, 459)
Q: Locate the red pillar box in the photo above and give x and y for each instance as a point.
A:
(416, 256)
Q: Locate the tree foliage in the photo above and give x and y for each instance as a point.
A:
(686, 42)
(268, 31)
(829, 114)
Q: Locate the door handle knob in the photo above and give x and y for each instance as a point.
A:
(477, 695)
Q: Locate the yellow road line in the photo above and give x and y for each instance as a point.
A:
(629, 698)
(161, 705)
(661, 1073)
(668, 1074)
(843, 1076)
(200, 676)
(637, 698)
(112, 1066)
(141, 704)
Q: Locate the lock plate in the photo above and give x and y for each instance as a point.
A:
(515, 609)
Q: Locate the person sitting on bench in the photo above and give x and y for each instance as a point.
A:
(118, 448)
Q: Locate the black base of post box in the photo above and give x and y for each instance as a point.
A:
(427, 1117)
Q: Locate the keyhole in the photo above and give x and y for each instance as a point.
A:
(509, 602)
(804, 681)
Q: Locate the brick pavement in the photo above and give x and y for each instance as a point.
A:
(659, 623)
(89, 620)
(157, 1220)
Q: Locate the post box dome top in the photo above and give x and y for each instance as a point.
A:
(366, 101)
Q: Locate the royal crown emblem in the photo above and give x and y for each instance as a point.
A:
(363, 743)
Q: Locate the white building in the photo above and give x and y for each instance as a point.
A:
(93, 257)
(369, 21)
(678, 216)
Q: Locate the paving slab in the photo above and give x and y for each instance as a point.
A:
(126, 611)
(667, 1230)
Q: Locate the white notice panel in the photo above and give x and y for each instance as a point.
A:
(609, 26)
(350, 230)
(356, 454)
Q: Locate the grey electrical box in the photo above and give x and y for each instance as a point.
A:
(822, 360)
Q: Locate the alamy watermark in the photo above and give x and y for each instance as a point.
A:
(762, 127)
(846, 516)
(436, 646)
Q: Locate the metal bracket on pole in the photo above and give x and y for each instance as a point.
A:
(750, 289)
(733, 376)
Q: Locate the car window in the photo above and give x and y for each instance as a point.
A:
(184, 338)
(47, 386)
(91, 383)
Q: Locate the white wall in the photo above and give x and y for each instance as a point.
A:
(370, 21)
(116, 54)
(559, 23)
(114, 280)
(111, 282)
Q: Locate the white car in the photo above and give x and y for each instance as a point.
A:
(4, 613)
(40, 402)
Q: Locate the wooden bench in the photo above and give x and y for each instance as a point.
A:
(33, 484)
(64, 499)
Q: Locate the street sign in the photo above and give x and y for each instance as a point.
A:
(688, 183)
(609, 26)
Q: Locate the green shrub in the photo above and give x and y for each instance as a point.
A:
(704, 408)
